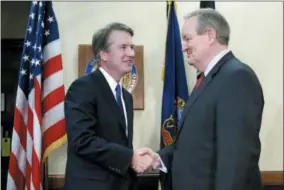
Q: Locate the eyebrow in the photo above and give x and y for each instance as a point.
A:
(131, 45)
(184, 36)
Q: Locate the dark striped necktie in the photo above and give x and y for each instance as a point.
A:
(199, 80)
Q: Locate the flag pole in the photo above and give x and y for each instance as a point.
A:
(45, 175)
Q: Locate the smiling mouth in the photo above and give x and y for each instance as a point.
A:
(129, 61)
(189, 53)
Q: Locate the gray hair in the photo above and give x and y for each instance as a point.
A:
(100, 41)
(210, 18)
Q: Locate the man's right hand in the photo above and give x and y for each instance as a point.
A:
(141, 162)
(156, 163)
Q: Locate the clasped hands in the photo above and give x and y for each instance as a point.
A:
(145, 160)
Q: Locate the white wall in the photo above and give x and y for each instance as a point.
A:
(257, 38)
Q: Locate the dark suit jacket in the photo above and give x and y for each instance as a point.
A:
(218, 145)
(99, 152)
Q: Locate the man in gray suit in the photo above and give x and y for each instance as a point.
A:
(218, 145)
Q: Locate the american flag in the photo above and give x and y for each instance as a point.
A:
(39, 122)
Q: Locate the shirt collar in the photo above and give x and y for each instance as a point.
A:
(214, 61)
(110, 80)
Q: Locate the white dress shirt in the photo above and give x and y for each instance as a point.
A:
(215, 60)
(209, 67)
(112, 83)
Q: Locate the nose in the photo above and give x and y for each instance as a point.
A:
(130, 52)
(184, 46)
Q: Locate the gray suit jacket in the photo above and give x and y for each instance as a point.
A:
(218, 146)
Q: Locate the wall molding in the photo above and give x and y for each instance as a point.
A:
(56, 181)
(272, 177)
(268, 178)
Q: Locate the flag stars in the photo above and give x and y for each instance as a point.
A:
(33, 61)
(30, 29)
(39, 49)
(27, 43)
(46, 33)
(40, 4)
(37, 62)
(34, 47)
(42, 24)
(26, 58)
(32, 15)
(23, 72)
(50, 19)
(31, 76)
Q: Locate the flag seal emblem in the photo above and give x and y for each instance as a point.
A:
(129, 81)
(168, 128)
(170, 125)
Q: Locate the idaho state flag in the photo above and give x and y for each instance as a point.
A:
(175, 91)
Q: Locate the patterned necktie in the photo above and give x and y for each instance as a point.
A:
(199, 80)
(119, 102)
(118, 97)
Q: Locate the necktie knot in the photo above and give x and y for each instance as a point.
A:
(118, 89)
(199, 80)
(118, 94)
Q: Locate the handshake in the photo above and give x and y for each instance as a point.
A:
(145, 160)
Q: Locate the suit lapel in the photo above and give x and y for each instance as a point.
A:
(111, 101)
(197, 92)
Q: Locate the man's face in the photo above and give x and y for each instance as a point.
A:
(120, 54)
(194, 45)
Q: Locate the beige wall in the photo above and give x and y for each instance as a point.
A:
(257, 38)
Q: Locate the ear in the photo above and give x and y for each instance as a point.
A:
(103, 55)
(212, 35)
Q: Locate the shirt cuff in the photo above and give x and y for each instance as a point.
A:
(163, 168)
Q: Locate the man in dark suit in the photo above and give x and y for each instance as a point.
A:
(218, 145)
(99, 117)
